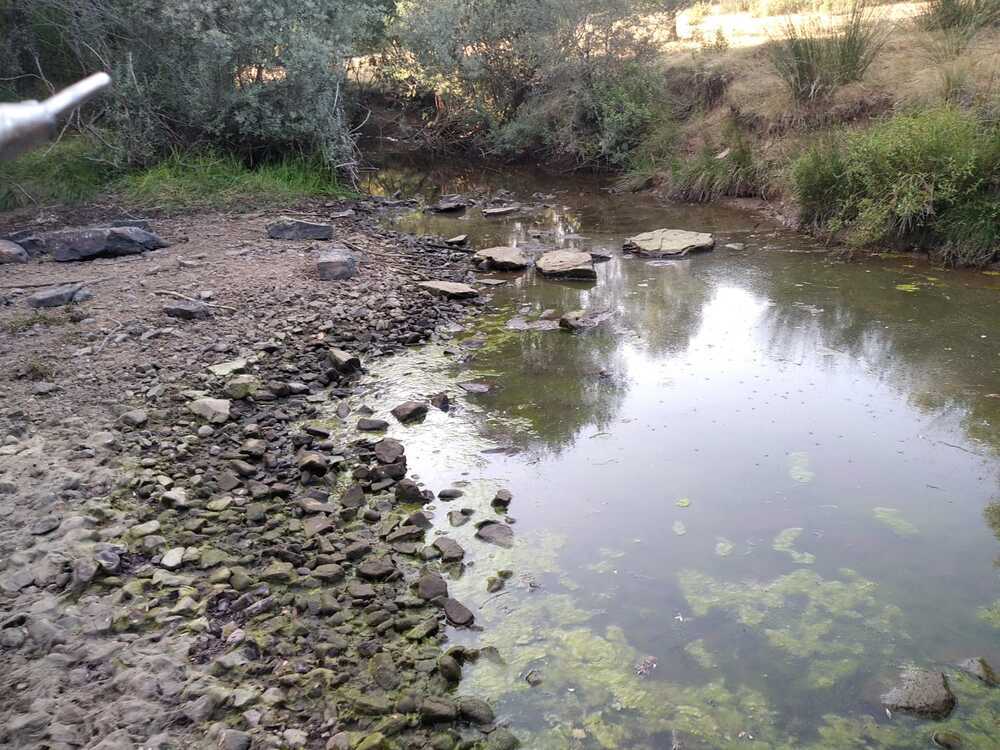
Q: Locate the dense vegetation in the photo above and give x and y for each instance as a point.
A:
(225, 100)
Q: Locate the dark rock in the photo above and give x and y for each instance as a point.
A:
(475, 710)
(11, 252)
(921, 693)
(410, 411)
(436, 709)
(449, 289)
(979, 668)
(407, 491)
(187, 310)
(383, 671)
(313, 463)
(287, 228)
(389, 450)
(57, 296)
(450, 550)
(337, 264)
(344, 362)
(366, 424)
(449, 668)
(448, 205)
(457, 613)
(441, 401)
(431, 586)
(83, 244)
(457, 518)
(947, 740)
(502, 499)
(376, 569)
(502, 739)
(496, 533)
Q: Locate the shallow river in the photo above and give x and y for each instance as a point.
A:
(743, 503)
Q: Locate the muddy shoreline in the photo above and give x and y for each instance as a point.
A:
(179, 577)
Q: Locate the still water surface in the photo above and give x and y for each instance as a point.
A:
(768, 473)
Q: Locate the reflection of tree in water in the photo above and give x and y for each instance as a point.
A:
(927, 345)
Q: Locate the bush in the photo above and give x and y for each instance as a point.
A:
(931, 178)
(729, 170)
(814, 59)
(72, 170)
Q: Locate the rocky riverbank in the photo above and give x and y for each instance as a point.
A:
(198, 548)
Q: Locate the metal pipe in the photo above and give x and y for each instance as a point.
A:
(23, 125)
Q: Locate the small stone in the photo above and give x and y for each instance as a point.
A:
(214, 410)
(376, 569)
(438, 709)
(457, 613)
(475, 710)
(431, 585)
(172, 558)
(241, 387)
(313, 463)
(388, 450)
(233, 739)
(449, 668)
(44, 525)
(567, 264)
(441, 401)
(449, 549)
(496, 533)
(187, 310)
(366, 424)
(383, 671)
(279, 571)
(225, 369)
(947, 740)
(56, 296)
(344, 362)
(144, 529)
(668, 243)
(502, 739)
(449, 289)
(329, 573)
(295, 738)
(501, 259)
(337, 264)
(502, 499)
(410, 411)
(408, 491)
(134, 418)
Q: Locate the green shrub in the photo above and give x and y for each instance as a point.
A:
(74, 169)
(813, 59)
(732, 171)
(930, 178)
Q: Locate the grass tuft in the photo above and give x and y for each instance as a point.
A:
(70, 171)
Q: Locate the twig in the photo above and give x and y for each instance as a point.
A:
(108, 337)
(57, 283)
(192, 299)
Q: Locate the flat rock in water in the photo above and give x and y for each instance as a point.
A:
(669, 243)
(287, 228)
(11, 252)
(337, 264)
(389, 451)
(566, 264)
(57, 296)
(449, 289)
(410, 411)
(457, 241)
(496, 533)
(921, 693)
(473, 387)
(366, 424)
(501, 259)
(431, 585)
(448, 205)
(979, 668)
(501, 210)
(457, 613)
(83, 244)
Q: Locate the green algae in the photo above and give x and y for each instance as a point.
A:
(684, 502)
(892, 518)
(784, 542)
(700, 653)
(799, 468)
(723, 547)
(990, 614)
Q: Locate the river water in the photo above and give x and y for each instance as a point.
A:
(761, 487)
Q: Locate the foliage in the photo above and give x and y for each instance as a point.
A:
(932, 177)
(73, 170)
(813, 59)
(730, 169)
(967, 15)
(255, 78)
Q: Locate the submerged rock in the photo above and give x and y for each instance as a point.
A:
(668, 243)
(501, 259)
(449, 289)
(979, 668)
(448, 204)
(567, 264)
(496, 533)
(921, 693)
(287, 228)
(410, 411)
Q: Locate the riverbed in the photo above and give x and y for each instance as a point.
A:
(741, 504)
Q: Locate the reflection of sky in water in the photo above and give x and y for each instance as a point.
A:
(786, 398)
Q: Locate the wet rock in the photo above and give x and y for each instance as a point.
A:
(502, 499)
(947, 740)
(313, 463)
(450, 493)
(457, 613)
(457, 518)
(213, 410)
(474, 387)
(187, 310)
(383, 671)
(447, 205)
(441, 401)
(367, 424)
(501, 211)
(431, 586)
(408, 491)
(566, 264)
(449, 668)
(449, 289)
(287, 228)
(921, 693)
(344, 362)
(457, 240)
(496, 533)
(11, 252)
(376, 569)
(668, 243)
(57, 296)
(436, 709)
(475, 710)
(389, 450)
(337, 264)
(450, 550)
(84, 244)
(979, 668)
(410, 411)
(502, 739)
(501, 259)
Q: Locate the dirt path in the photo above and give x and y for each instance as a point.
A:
(171, 579)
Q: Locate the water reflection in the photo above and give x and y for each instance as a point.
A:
(766, 472)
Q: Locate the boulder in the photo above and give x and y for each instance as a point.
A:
(410, 411)
(449, 289)
(214, 410)
(84, 244)
(566, 264)
(668, 243)
(11, 252)
(337, 264)
(921, 693)
(287, 228)
(57, 296)
(501, 259)
(187, 310)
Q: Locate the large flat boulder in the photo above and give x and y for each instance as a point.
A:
(287, 228)
(449, 289)
(69, 245)
(669, 243)
(566, 264)
(501, 259)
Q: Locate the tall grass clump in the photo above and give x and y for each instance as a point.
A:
(733, 170)
(72, 170)
(815, 58)
(968, 15)
(929, 179)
